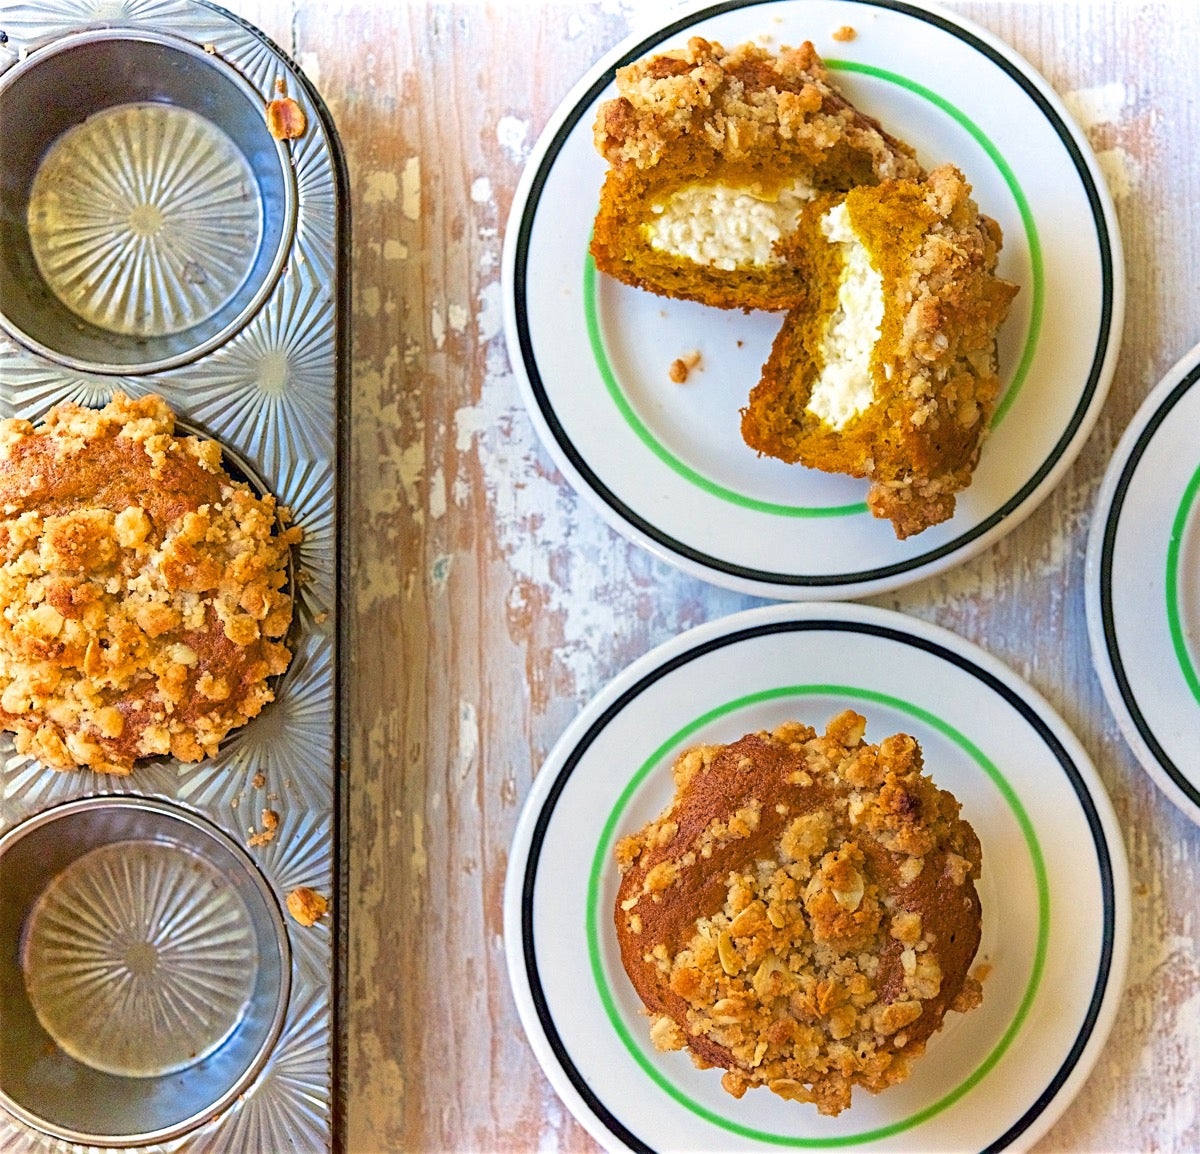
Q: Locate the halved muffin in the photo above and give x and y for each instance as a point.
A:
(889, 369)
(713, 155)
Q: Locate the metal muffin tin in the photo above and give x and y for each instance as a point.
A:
(121, 915)
(154, 237)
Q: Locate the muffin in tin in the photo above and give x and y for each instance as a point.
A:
(144, 598)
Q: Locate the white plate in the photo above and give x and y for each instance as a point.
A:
(1143, 585)
(1054, 886)
(665, 463)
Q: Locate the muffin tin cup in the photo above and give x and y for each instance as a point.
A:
(145, 967)
(145, 208)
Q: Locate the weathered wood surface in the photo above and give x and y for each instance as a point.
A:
(488, 603)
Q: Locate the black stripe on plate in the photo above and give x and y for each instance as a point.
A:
(717, 564)
(1108, 546)
(991, 682)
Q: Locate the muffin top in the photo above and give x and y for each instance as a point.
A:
(746, 106)
(142, 590)
(804, 912)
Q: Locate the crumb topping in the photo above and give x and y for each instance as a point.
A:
(739, 103)
(142, 597)
(270, 827)
(307, 906)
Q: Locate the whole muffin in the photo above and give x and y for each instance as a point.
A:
(804, 913)
(143, 595)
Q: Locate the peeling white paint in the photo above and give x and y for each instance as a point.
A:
(437, 494)
(410, 185)
(549, 540)
(1099, 104)
(467, 423)
(1121, 171)
(395, 250)
(481, 190)
(491, 312)
(535, 519)
(310, 65)
(468, 739)
(511, 134)
(380, 187)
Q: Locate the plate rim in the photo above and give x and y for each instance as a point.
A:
(537, 813)
(1151, 416)
(798, 586)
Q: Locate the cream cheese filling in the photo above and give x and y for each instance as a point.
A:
(844, 388)
(725, 226)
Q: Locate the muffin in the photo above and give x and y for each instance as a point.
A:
(143, 599)
(889, 369)
(712, 156)
(804, 913)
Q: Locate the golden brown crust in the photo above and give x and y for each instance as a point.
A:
(804, 912)
(934, 369)
(744, 118)
(142, 590)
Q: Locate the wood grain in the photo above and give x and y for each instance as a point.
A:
(488, 603)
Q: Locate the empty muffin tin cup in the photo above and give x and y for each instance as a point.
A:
(146, 210)
(144, 971)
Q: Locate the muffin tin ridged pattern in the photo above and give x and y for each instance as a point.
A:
(188, 222)
(140, 961)
(271, 393)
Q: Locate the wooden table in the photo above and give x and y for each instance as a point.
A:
(488, 603)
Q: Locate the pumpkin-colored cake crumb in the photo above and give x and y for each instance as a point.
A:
(307, 906)
(142, 590)
(804, 913)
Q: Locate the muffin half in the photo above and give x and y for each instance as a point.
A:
(713, 155)
(889, 369)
